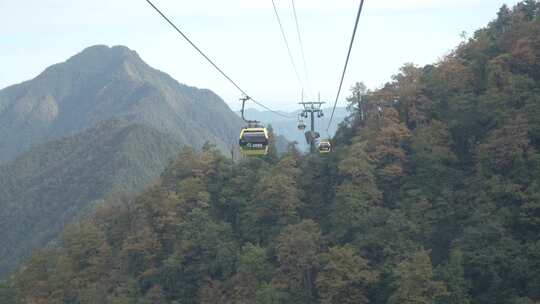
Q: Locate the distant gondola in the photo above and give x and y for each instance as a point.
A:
(325, 146)
(301, 124)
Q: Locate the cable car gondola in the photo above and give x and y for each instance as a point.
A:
(254, 137)
(325, 146)
(254, 141)
(301, 124)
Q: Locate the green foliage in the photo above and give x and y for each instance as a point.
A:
(297, 252)
(414, 281)
(51, 185)
(453, 274)
(254, 261)
(8, 294)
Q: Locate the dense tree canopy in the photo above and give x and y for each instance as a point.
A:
(432, 195)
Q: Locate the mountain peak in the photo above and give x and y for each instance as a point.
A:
(101, 49)
(102, 82)
(96, 61)
(105, 56)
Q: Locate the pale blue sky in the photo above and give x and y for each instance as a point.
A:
(242, 36)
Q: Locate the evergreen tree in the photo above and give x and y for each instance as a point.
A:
(297, 250)
(415, 283)
(453, 274)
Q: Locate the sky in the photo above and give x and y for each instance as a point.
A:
(243, 38)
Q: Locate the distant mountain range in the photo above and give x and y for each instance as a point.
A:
(288, 127)
(100, 122)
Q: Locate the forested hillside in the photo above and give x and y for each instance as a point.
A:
(432, 195)
(103, 121)
(45, 188)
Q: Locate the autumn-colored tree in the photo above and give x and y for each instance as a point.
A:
(387, 138)
(140, 252)
(344, 277)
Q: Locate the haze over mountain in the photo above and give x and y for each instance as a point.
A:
(101, 83)
(101, 122)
